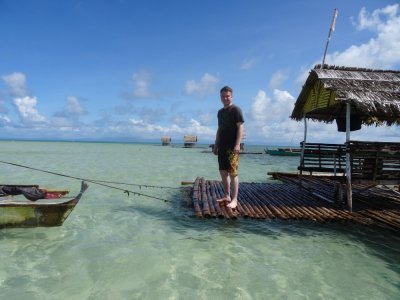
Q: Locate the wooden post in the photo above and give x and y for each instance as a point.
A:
(303, 145)
(348, 166)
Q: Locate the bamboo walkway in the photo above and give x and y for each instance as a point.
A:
(314, 201)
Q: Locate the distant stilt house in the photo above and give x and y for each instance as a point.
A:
(351, 97)
(242, 141)
(189, 141)
(166, 140)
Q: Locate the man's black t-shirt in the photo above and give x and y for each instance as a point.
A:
(227, 125)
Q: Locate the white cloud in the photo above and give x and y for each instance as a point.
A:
(303, 75)
(206, 118)
(16, 83)
(269, 117)
(27, 111)
(259, 107)
(382, 51)
(4, 121)
(264, 109)
(141, 129)
(277, 79)
(141, 80)
(61, 122)
(69, 117)
(206, 86)
(247, 64)
(195, 127)
(152, 114)
(374, 20)
(74, 107)
(146, 128)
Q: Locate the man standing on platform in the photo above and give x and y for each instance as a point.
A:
(227, 146)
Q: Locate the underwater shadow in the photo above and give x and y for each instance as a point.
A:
(380, 242)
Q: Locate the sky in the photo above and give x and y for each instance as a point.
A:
(102, 70)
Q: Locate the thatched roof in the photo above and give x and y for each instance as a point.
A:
(190, 138)
(374, 95)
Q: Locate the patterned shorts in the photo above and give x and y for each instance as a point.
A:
(228, 160)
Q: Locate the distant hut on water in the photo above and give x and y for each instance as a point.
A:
(166, 140)
(189, 141)
(242, 141)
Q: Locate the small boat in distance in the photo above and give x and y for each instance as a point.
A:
(31, 206)
(283, 151)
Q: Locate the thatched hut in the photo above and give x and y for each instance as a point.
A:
(353, 97)
(373, 95)
(189, 141)
(166, 140)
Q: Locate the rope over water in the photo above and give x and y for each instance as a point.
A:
(101, 182)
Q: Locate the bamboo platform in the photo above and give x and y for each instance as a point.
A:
(316, 201)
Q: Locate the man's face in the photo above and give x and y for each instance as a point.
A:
(226, 98)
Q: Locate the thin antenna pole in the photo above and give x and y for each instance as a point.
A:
(331, 29)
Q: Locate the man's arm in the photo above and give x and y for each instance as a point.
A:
(239, 136)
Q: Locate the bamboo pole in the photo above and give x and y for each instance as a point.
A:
(204, 198)
(269, 191)
(310, 185)
(243, 206)
(331, 29)
(304, 206)
(290, 201)
(227, 212)
(303, 145)
(246, 207)
(260, 213)
(210, 199)
(348, 166)
(376, 216)
(311, 207)
(271, 210)
(286, 201)
(214, 199)
(266, 210)
(196, 189)
(246, 203)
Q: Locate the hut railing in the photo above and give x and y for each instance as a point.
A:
(325, 158)
(375, 162)
(371, 162)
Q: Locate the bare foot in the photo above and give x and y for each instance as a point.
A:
(226, 198)
(233, 204)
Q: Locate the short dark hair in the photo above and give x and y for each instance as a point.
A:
(226, 89)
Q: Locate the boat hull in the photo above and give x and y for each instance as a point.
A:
(41, 213)
(283, 152)
(17, 215)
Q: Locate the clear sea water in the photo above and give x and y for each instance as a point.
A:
(117, 247)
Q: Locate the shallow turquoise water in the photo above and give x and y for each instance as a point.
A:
(119, 247)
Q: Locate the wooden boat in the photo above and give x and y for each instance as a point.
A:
(283, 151)
(51, 210)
